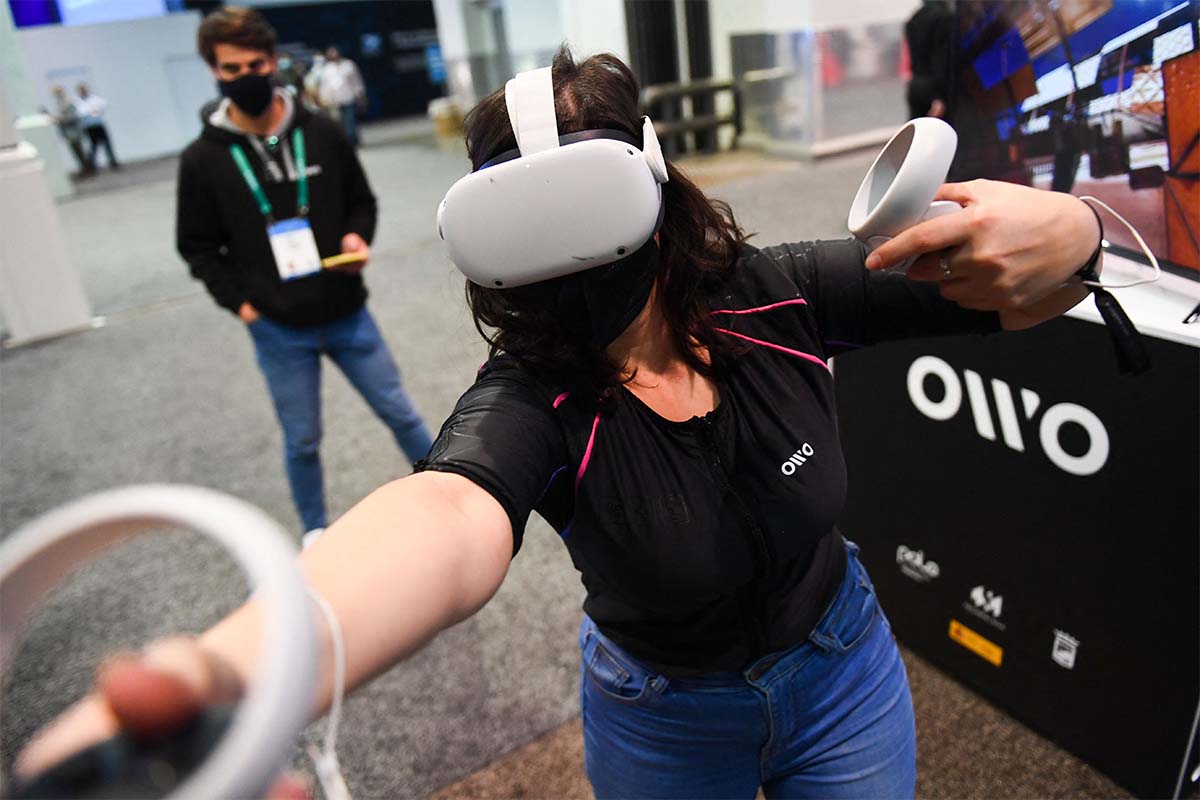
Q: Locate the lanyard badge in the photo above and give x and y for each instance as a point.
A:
(293, 245)
(294, 248)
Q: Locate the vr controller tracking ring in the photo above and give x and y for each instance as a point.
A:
(275, 709)
(897, 191)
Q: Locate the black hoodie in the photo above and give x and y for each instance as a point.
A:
(222, 234)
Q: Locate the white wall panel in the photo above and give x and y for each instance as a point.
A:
(137, 65)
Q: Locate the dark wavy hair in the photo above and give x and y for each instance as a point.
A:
(243, 27)
(698, 241)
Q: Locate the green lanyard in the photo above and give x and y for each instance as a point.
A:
(260, 197)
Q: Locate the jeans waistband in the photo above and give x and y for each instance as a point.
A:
(738, 678)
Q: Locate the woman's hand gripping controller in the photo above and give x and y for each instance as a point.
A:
(152, 719)
(160, 723)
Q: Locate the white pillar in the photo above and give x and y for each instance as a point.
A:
(467, 37)
(452, 39)
(40, 294)
(8, 134)
(31, 125)
(12, 66)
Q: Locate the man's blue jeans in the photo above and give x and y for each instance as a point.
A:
(830, 718)
(349, 116)
(290, 359)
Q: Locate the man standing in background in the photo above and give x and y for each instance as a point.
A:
(67, 119)
(342, 90)
(932, 39)
(312, 82)
(1068, 131)
(91, 110)
(291, 75)
(267, 192)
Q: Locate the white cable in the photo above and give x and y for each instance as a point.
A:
(1141, 243)
(1187, 752)
(325, 761)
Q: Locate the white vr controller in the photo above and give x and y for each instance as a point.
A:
(899, 188)
(277, 703)
(558, 205)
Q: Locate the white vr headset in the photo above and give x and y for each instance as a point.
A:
(557, 204)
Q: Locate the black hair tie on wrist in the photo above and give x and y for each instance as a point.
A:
(1132, 357)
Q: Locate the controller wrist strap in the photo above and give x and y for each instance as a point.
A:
(1130, 349)
(325, 760)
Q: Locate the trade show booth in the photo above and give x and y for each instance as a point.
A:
(1029, 514)
(1031, 520)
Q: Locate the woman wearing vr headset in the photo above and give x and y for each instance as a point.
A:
(671, 414)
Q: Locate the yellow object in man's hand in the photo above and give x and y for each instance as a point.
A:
(342, 259)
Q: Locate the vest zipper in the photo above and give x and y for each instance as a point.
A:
(759, 552)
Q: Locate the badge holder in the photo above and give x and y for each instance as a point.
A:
(294, 248)
(254, 743)
(293, 245)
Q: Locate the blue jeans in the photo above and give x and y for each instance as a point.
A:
(830, 718)
(349, 116)
(290, 359)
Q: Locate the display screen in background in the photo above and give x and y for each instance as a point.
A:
(1093, 97)
(89, 12)
(29, 13)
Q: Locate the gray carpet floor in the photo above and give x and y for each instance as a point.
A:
(168, 391)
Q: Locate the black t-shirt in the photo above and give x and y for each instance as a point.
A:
(707, 543)
(222, 234)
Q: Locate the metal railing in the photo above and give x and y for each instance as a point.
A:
(672, 107)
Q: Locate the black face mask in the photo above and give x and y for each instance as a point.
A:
(598, 304)
(251, 93)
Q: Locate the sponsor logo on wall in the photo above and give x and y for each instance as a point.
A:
(986, 649)
(915, 565)
(1091, 461)
(986, 605)
(1064, 650)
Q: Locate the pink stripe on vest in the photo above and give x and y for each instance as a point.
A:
(587, 454)
(780, 348)
(799, 301)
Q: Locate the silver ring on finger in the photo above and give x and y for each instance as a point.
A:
(944, 261)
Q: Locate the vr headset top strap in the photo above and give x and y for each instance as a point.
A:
(530, 101)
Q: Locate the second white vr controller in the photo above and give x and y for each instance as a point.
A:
(899, 188)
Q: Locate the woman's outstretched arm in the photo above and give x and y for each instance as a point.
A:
(413, 558)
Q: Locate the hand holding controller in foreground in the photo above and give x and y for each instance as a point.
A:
(164, 704)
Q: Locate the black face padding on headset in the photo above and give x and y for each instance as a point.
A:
(598, 304)
(565, 139)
